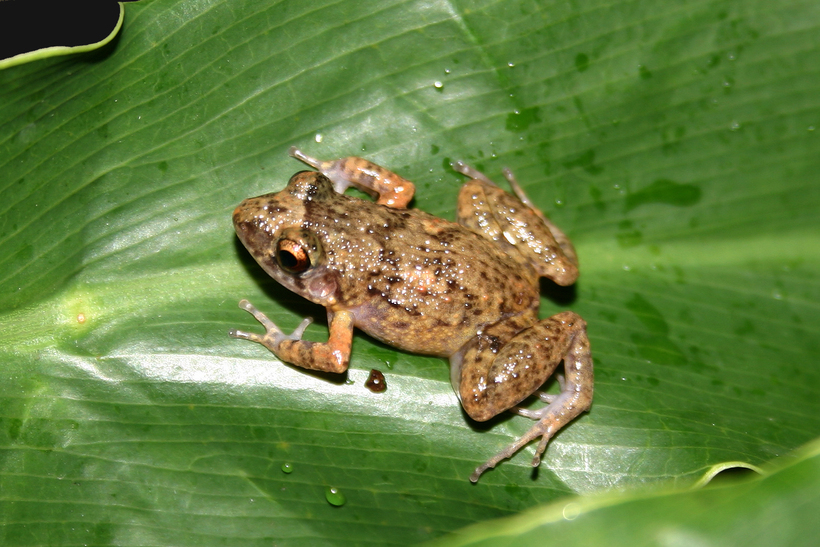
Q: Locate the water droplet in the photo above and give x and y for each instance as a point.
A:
(811, 128)
(447, 71)
(334, 497)
(735, 126)
(571, 511)
(510, 65)
(318, 137)
(287, 468)
(438, 85)
(731, 56)
(777, 296)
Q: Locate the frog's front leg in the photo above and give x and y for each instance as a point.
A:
(330, 356)
(495, 377)
(391, 189)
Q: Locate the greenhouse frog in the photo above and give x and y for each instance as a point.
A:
(468, 291)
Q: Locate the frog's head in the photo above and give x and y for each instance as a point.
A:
(275, 229)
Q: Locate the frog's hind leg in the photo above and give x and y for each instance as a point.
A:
(560, 237)
(494, 379)
(391, 189)
(512, 222)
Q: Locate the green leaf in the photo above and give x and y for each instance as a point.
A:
(675, 143)
(779, 509)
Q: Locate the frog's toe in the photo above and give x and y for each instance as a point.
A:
(508, 174)
(469, 171)
(273, 334)
(527, 413)
(298, 331)
(294, 152)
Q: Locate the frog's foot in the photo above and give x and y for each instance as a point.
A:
(548, 398)
(471, 172)
(517, 189)
(273, 335)
(550, 419)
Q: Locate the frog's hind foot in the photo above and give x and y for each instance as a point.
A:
(517, 189)
(468, 171)
(548, 398)
(541, 429)
(562, 409)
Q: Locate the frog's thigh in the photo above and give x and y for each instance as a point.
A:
(509, 223)
(495, 379)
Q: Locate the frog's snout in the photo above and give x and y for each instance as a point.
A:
(237, 213)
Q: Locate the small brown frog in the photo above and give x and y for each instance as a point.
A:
(467, 291)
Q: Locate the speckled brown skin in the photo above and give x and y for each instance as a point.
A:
(468, 291)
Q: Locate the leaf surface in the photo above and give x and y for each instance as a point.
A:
(675, 143)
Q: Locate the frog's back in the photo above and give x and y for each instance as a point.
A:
(416, 281)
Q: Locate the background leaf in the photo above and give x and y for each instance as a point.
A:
(674, 142)
(779, 509)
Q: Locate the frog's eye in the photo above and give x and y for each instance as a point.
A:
(292, 256)
(297, 250)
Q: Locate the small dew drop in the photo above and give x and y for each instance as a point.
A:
(287, 468)
(510, 65)
(735, 126)
(318, 137)
(438, 85)
(334, 497)
(626, 268)
(81, 318)
(571, 511)
(731, 56)
(447, 71)
(777, 296)
(811, 128)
